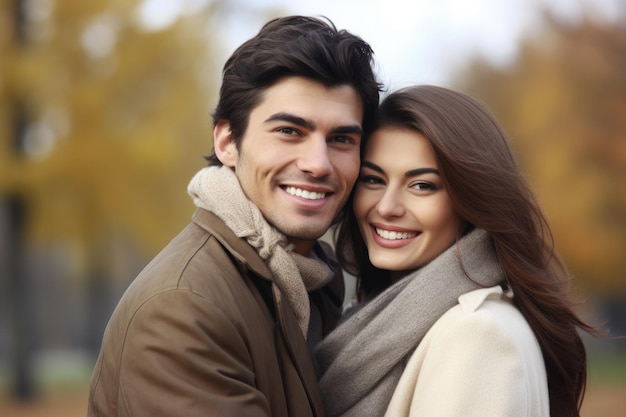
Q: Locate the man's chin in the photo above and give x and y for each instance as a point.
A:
(304, 235)
(305, 232)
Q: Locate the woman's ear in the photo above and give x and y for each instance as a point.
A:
(225, 148)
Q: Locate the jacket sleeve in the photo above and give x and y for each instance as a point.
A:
(471, 366)
(183, 357)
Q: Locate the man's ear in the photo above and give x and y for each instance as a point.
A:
(224, 146)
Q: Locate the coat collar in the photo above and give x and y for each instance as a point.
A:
(472, 300)
(288, 328)
(239, 248)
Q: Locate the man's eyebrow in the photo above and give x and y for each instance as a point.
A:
(348, 129)
(412, 173)
(309, 124)
(287, 117)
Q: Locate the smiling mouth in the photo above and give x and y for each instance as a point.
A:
(309, 195)
(391, 235)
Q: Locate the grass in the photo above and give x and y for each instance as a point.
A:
(608, 368)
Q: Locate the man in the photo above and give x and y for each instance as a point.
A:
(218, 323)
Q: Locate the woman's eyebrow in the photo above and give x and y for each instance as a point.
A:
(372, 166)
(421, 171)
(412, 173)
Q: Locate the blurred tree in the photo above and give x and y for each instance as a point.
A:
(102, 123)
(563, 102)
(118, 119)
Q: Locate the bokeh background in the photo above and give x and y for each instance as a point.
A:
(105, 116)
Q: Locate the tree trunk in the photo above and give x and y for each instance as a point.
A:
(23, 381)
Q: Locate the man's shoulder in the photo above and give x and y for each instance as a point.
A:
(194, 266)
(201, 259)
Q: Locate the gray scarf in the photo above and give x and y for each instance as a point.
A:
(217, 190)
(363, 358)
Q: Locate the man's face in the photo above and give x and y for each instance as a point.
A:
(299, 157)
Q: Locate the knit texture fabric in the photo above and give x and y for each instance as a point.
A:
(217, 190)
(362, 359)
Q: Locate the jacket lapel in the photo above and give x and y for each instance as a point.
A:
(298, 350)
(286, 322)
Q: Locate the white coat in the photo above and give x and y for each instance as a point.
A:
(480, 359)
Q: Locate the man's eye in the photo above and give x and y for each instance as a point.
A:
(287, 130)
(343, 139)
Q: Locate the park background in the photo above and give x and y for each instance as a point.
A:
(105, 116)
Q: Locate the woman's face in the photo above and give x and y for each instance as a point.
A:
(404, 213)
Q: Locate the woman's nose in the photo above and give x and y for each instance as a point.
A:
(391, 204)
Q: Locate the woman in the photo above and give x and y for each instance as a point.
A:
(463, 302)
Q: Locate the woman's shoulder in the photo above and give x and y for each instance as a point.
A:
(482, 344)
(487, 316)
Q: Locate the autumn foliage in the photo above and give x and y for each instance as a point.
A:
(115, 119)
(563, 103)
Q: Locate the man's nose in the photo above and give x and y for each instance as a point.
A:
(314, 158)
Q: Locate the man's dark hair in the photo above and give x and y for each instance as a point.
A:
(301, 46)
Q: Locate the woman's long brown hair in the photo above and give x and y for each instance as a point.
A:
(488, 191)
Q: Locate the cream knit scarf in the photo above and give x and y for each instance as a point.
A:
(363, 358)
(217, 190)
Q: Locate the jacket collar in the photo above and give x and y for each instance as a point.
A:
(287, 323)
(239, 248)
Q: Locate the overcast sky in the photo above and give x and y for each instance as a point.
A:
(415, 41)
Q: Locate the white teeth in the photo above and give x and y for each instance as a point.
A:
(389, 235)
(309, 195)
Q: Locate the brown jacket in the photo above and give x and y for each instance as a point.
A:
(202, 331)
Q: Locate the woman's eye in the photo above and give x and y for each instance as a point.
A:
(371, 179)
(423, 186)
